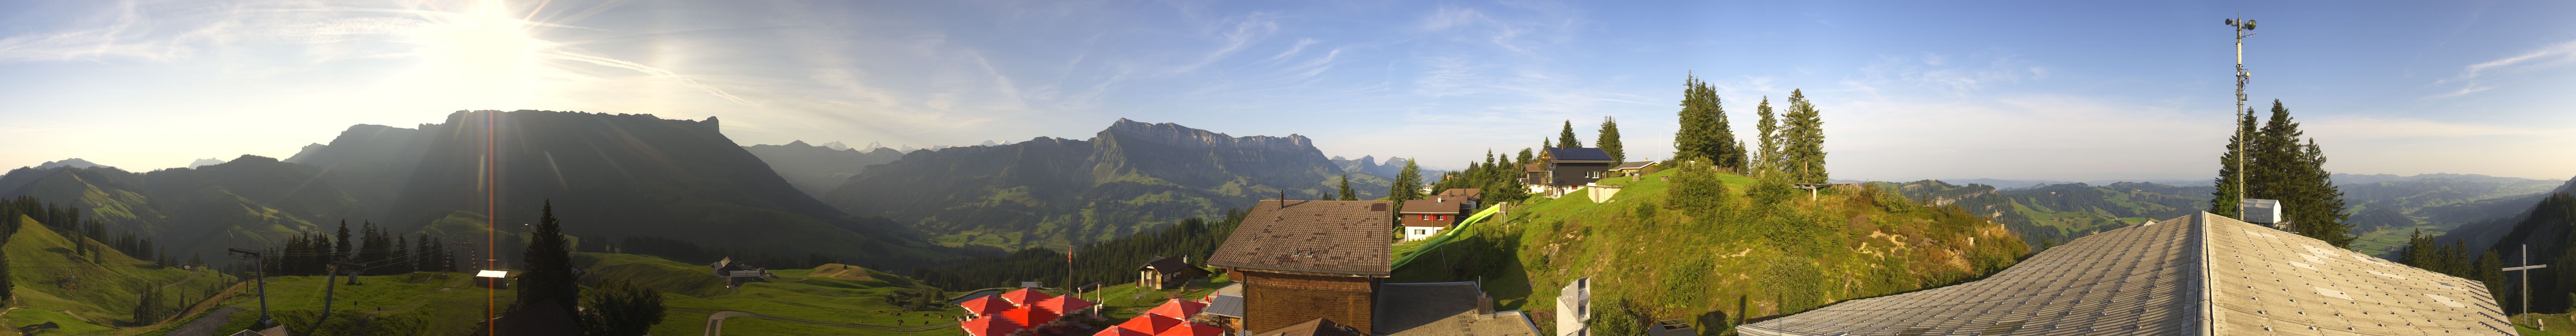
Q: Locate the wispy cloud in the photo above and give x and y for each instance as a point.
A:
(2562, 53)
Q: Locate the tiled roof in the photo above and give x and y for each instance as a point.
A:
(1468, 193)
(989, 325)
(2200, 274)
(1578, 154)
(1424, 206)
(1342, 237)
(1315, 327)
(1533, 168)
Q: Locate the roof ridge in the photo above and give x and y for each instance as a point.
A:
(2207, 324)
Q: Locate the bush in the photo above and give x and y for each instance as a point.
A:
(1696, 190)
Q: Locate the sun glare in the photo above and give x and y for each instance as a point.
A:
(481, 57)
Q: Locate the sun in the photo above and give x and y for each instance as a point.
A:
(479, 58)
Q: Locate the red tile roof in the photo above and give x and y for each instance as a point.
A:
(989, 325)
(1342, 237)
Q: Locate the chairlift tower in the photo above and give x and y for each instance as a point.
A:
(260, 265)
(2243, 28)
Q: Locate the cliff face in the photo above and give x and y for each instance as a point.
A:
(1058, 192)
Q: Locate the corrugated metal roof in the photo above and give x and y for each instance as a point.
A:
(1225, 305)
(2201, 274)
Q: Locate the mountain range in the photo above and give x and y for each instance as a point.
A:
(2383, 207)
(607, 177)
(815, 170)
(1059, 192)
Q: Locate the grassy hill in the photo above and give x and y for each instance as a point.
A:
(441, 303)
(88, 294)
(1766, 250)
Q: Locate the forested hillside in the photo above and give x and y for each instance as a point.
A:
(1053, 192)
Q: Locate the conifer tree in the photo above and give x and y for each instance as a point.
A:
(1803, 141)
(1407, 183)
(1609, 140)
(341, 248)
(2224, 201)
(1704, 132)
(2281, 164)
(1565, 138)
(1347, 194)
(8, 288)
(1770, 138)
(549, 265)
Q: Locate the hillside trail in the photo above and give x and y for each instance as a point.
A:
(817, 288)
(715, 321)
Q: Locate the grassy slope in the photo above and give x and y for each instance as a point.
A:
(103, 294)
(1842, 247)
(448, 301)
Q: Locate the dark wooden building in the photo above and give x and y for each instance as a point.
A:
(1570, 167)
(1301, 260)
(1168, 273)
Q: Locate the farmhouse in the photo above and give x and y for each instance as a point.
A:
(1168, 273)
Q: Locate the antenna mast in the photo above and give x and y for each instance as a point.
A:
(2242, 27)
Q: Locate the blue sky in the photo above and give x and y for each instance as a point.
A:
(2019, 90)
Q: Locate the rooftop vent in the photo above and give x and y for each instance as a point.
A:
(2261, 211)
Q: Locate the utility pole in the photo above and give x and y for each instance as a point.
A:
(260, 265)
(2526, 281)
(2243, 27)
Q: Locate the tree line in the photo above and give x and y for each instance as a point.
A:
(378, 250)
(1791, 142)
(1109, 262)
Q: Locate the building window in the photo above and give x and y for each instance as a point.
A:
(1420, 231)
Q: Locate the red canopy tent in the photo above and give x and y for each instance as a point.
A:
(1178, 309)
(1150, 323)
(1025, 296)
(989, 326)
(1120, 331)
(1064, 304)
(1030, 316)
(1192, 329)
(986, 305)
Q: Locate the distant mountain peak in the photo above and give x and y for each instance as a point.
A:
(836, 145)
(215, 161)
(798, 143)
(71, 162)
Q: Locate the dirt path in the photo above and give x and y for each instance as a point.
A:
(205, 326)
(715, 321)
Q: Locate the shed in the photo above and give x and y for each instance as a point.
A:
(492, 279)
(1168, 273)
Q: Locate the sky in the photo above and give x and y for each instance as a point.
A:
(1908, 90)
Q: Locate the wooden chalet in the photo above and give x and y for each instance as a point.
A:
(736, 273)
(1631, 168)
(1301, 260)
(1168, 273)
(1424, 218)
(1569, 167)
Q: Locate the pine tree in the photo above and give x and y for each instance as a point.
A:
(341, 249)
(8, 288)
(1770, 137)
(1565, 138)
(1609, 140)
(2224, 201)
(549, 265)
(1407, 183)
(1347, 194)
(1803, 141)
(2282, 164)
(1705, 133)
